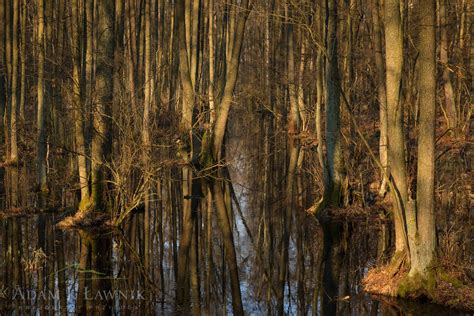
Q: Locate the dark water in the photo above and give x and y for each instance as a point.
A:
(42, 269)
(47, 271)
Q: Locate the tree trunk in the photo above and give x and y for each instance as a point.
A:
(450, 104)
(41, 128)
(396, 141)
(422, 247)
(14, 85)
(381, 95)
(102, 109)
(146, 141)
(78, 108)
(334, 188)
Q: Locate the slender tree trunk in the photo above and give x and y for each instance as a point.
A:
(228, 240)
(41, 128)
(396, 141)
(78, 108)
(189, 217)
(14, 85)
(102, 109)
(449, 101)
(23, 60)
(146, 141)
(3, 78)
(381, 95)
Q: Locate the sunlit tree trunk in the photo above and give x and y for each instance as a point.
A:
(3, 77)
(8, 72)
(189, 216)
(381, 94)
(146, 141)
(423, 230)
(396, 140)
(14, 84)
(78, 108)
(41, 128)
(24, 54)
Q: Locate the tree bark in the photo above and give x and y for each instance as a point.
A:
(14, 85)
(422, 247)
(335, 159)
(41, 128)
(102, 109)
(78, 108)
(449, 101)
(381, 95)
(396, 141)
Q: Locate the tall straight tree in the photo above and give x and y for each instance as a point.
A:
(146, 141)
(101, 140)
(14, 83)
(335, 186)
(78, 107)
(381, 94)
(41, 128)
(421, 221)
(396, 141)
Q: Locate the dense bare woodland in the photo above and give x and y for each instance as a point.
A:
(236, 156)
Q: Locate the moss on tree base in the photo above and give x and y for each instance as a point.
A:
(440, 287)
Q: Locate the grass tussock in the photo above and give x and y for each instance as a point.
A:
(85, 220)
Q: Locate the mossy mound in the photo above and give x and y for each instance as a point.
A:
(441, 287)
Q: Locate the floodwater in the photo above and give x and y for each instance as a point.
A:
(43, 271)
(47, 271)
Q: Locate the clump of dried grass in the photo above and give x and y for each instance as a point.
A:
(450, 288)
(386, 279)
(85, 220)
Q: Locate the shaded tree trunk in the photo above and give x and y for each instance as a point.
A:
(101, 145)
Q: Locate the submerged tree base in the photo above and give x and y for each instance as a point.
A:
(441, 287)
